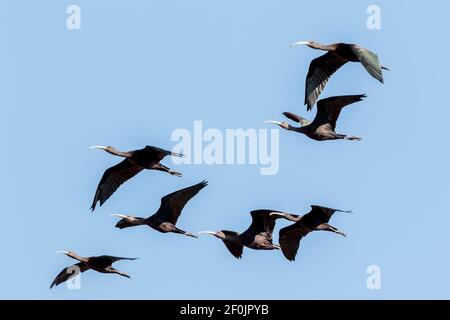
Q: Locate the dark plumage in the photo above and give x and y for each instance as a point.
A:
(316, 220)
(338, 54)
(165, 219)
(258, 236)
(324, 124)
(135, 161)
(102, 264)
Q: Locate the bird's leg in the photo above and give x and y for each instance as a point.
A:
(120, 273)
(329, 228)
(160, 167)
(352, 138)
(179, 231)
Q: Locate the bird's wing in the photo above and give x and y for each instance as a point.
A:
(235, 247)
(262, 221)
(124, 223)
(328, 110)
(317, 216)
(172, 204)
(370, 61)
(320, 71)
(304, 122)
(69, 273)
(112, 179)
(108, 260)
(290, 239)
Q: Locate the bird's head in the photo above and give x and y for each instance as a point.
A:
(309, 43)
(108, 149)
(68, 253)
(283, 124)
(217, 234)
(123, 216)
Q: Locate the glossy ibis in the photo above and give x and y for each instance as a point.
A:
(316, 220)
(101, 264)
(324, 124)
(165, 219)
(338, 54)
(258, 236)
(135, 161)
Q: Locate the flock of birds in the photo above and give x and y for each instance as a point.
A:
(259, 235)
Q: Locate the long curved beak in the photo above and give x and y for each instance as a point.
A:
(97, 147)
(348, 211)
(278, 214)
(298, 43)
(274, 122)
(208, 232)
(62, 252)
(119, 215)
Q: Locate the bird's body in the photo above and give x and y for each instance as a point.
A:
(135, 161)
(165, 219)
(338, 54)
(258, 236)
(316, 220)
(324, 124)
(102, 264)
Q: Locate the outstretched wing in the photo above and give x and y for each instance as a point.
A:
(317, 216)
(304, 122)
(328, 110)
(320, 71)
(234, 246)
(69, 273)
(370, 61)
(172, 204)
(105, 261)
(262, 221)
(125, 223)
(112, 179)
(290, 239)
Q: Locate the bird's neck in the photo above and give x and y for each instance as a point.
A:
(324, 47)
(118, 153)
(77, 257)
(296, 129)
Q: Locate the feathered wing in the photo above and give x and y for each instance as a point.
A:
(290, 240)
(112, 179)
(317, 216)
(304, 122)
(173, 204)
(320, 71)
(69, 273)
(235, 246)
(328, 110)
(370, 61)
(124, 223)
(262, 221)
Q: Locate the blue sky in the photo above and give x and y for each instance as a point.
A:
(135, 72)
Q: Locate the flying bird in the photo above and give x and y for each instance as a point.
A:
(165, 219)
(338, 54)
(135, 161)
(324, 124)
(258, 236)
(316, 220)
(102, 264)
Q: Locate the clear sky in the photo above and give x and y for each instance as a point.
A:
(138, 70)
